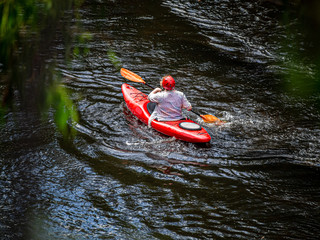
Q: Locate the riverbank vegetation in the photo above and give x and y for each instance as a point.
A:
(28, 77)
(301, 64)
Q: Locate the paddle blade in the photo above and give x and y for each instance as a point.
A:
(211, 119)
(131, 76)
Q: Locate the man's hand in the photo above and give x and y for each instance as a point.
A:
(156, 90)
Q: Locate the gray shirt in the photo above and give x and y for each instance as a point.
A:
(169, 105)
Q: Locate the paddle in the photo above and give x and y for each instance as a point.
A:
(136, 78)
(133, 77)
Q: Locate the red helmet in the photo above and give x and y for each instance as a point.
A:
(168, 82)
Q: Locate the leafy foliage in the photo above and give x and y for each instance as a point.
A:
(302, 64)
(28, 29)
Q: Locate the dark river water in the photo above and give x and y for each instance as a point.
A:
(119, 179)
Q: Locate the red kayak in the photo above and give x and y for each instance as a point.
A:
(185, 130)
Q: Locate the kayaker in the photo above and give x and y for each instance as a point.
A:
(170, 102)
